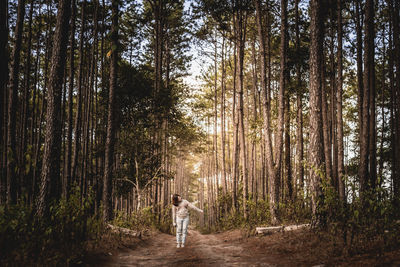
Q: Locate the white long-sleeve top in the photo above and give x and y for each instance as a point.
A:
(181, 210)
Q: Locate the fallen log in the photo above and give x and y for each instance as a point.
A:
(121, 230)
(296, 227)
(269, 230)
(275, 229)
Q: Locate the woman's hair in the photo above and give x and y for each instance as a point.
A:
(175, 199)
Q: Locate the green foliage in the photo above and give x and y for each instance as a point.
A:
(139, 220)
(59, 237)
(295, 212)
(367, 224)
(145, 219)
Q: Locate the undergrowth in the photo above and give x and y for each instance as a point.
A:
(57, 238)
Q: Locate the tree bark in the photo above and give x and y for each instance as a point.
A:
(393, 137)
(25, 112)
(223, 72)
(325, 126)
(12, 108)
(215, 136)
(273, 166)
(3, 96)
(368, 79)
(396, 41)
(240, 33)
(316, 137)
(67, 165)
(78, 115)
(107, 187)
(299, 126)
(50, 176)
(360, 82)
(340, 161)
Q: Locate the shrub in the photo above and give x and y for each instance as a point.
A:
(59, 237)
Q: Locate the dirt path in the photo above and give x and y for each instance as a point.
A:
(200, 250)
(296, 248)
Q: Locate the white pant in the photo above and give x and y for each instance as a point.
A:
(181, 230)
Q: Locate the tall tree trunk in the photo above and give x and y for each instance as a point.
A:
(78, 116)
(360, 82)
(67, 165)
(285, 74)
(393, 137)
(325, 126)
(12, 108)
(215, 139)
(235, 122)
(316, 137)
(107, 187)
(253, 167)
(223, 73)
(273, 168)
(283, 82)
(331, 115)
(25, 112)
(372, 99)
(396, 40)
(368, 79)
(340, 160)
(240, 32)
(50, 178)
(288, 166)
(43, 105)
(299, 119)
(3, 96)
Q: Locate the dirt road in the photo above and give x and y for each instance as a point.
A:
(200, 250)
(296, 248)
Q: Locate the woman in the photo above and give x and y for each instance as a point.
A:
(180, 217)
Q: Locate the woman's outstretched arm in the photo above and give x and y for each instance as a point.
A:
(194, 207)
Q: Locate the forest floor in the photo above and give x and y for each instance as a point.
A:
(232, 248)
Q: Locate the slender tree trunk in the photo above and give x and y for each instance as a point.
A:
(253, 167)
(299, 126)
(394, 170)
(78, 116)
(43, 106)
(325, 127)
(223, 74)
(107, 187)
(341, 184)
(316, 155)
(332, 142)
(368, 79)
(360, 82)
(288, 166)
(235, 122)
(50, 177)
(396, 40)
(283, 82)
(25, 106)
(240, 25)
(12, 108)
(215, 139)
(67, 166)
(3, 96)
(286, 98)
(273, 168)
(383, 102)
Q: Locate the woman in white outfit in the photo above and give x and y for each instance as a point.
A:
(180, 218)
